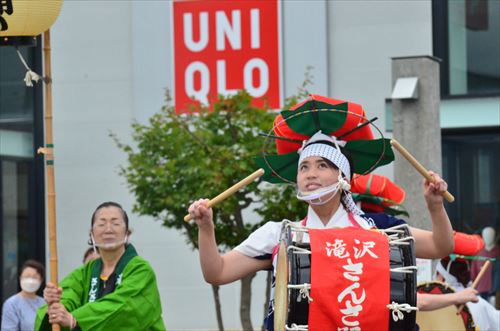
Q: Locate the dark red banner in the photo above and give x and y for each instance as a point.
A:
(350, 280)
(224, 46)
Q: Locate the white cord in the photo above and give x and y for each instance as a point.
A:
(405, 270)
(401, 241)
(295, 327)
(30, 75)
(298, 250)
(399, 308)
(303, 290)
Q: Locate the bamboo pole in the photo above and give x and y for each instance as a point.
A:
(230, 191)
(476, 281)
(424, 172)
(48, 152)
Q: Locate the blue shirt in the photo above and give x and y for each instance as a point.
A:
(19, 313)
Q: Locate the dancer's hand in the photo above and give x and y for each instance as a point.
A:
(467, 295)
(433, 192)
(202, 215)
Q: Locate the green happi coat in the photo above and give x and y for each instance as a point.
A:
(133, 305)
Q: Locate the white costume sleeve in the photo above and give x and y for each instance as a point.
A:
(262, 241)
(485, 316)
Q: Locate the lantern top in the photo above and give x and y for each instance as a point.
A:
(27, 18)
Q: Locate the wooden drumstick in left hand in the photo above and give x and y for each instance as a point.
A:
(230, 191)
(476, 281)
(424, 172)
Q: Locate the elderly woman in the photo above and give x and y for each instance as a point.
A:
(322, 181)
(117, 291)
(19, 311)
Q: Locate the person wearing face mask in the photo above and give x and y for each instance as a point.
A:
(116, 291)
(19, 311)
(323, 176)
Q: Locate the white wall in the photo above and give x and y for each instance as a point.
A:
(111, 65)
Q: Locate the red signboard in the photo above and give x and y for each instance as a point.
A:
(224, 46)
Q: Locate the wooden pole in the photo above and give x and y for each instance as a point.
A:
(48, 152)
(424, 172)
(230, 191)
(476, 281)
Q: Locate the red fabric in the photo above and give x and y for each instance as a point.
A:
(467, 244)
(336, 269)
(378, 186)
(352, 121)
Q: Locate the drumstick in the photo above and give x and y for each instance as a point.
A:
(424, 172)
(230, 191)
(476, 281)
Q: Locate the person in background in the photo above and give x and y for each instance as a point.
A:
(118, 291)
(19, 311)
(457, 275)
(90, 255)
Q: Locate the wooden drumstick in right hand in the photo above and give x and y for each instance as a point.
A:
(424, 172)
(476, 281)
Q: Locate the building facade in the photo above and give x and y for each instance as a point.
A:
(111, 66)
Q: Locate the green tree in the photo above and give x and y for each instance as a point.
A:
(179, 158)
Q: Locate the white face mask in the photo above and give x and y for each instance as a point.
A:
(30, 285)
(314, 197)
(111, 245)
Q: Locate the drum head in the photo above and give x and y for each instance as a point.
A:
(446, 318)
(281, 288)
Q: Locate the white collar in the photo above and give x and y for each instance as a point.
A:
(340, 219)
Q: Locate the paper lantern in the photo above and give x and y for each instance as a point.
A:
(22, 20)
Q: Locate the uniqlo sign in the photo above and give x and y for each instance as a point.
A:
(224, 46)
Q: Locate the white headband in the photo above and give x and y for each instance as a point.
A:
(328, 152)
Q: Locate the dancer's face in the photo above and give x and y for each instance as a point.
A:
(314, 173)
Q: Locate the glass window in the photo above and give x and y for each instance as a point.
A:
(16, 100)
(470, 166)
(22, 226)
(467, 38)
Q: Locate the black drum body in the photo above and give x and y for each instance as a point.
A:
(402, 285)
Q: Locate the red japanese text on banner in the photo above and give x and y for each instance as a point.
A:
(224, 46)
(350, 280)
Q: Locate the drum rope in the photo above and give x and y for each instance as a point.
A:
(295, 327)
(401, 241)
(298, 250)
(297, 228)
(405, 270)
(399, 308)
(303, 290)
(395, 229)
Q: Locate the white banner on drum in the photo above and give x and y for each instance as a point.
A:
(424, 270)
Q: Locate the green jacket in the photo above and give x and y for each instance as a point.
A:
(134, 305)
